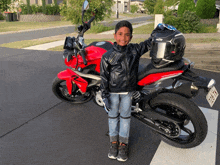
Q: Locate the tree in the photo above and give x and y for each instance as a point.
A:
(149, 5)
(44, 6)
(206, 9)
(72, 11)
(186, 5)
(28, 7)
(4, 5)
(159, 7)
(134, 8)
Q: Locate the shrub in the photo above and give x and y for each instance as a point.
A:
(149, 5)
(24, 9)
(1, 16)
(28, 7)
(36, 9)
(159, 7)
(51, 9)
(189, 22)
(186, 5)
(205, 9)
(44, 6)
(134, 8)
(204, 28)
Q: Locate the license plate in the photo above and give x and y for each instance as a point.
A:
(212, 96)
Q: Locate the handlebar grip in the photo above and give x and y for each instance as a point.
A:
(89, 22)
(82, 52)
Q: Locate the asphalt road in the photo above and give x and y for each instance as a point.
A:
(34, 34)
(37, 128)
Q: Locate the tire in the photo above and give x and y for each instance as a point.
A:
(179, 107)
(60, 90)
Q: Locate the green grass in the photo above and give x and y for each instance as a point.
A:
(204, 28)
(145, 29)
(26, 43)
(17, 26)
(98, 28)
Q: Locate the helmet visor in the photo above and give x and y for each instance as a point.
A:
(161, 48)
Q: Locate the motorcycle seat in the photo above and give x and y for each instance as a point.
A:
(145, 70)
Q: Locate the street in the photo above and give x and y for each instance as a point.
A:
(37, 128)
(34, 34)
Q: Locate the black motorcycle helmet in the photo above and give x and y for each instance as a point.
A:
(168, 45)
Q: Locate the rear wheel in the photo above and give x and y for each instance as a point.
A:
(192, 131)
(60, 90)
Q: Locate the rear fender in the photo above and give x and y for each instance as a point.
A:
(71, 77)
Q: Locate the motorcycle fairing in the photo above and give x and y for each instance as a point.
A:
(152, 78)
(94, 55)
(70, 76)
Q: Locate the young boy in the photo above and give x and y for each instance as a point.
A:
(119, 70)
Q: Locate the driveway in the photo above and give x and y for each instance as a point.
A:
(37, 128)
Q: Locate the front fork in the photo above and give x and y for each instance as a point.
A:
(71, 77)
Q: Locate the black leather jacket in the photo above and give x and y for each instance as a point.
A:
(119, 67)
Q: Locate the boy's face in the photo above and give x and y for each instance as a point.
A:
(123, 36)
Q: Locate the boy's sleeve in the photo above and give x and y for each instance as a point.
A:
(104, 74)
(144, 46)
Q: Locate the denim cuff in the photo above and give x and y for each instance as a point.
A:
(123, 140)
(113, 138)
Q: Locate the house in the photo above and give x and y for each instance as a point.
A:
(121, 5)
(140, 4)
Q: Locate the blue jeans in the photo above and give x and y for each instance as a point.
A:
(120, 117)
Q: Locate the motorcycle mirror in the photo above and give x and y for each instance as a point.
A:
(85, 6)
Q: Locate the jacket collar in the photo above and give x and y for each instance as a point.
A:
(119, 48)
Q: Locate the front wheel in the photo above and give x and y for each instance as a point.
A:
(192, 131)
(60, 90)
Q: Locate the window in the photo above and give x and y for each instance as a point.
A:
(49, 1)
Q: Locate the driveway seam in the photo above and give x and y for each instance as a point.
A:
(29, 120)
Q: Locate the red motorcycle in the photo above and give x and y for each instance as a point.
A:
(167, 110)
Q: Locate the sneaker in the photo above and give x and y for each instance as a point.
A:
(122, 152)
(113, 151)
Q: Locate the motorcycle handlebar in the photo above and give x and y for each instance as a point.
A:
(92, 19)
(82, 53)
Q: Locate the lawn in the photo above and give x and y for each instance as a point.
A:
(17, 26)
